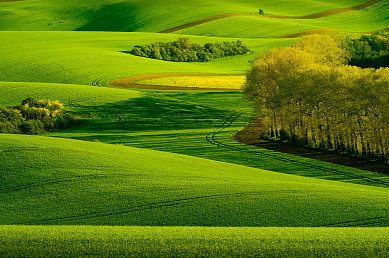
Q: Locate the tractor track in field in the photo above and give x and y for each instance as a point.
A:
(49, 182)
(99, 82)
(311, 16)
(150, 206)
(120, 116)
(358, 223)
(282, 147)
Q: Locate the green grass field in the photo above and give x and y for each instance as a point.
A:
(65, 241)
(131, 15)
(151, 173)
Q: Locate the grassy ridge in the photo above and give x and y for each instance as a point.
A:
(61, 181)
(70, 241)
(131, 15)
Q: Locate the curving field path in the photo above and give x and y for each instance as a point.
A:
(311, 16)
(130, 82)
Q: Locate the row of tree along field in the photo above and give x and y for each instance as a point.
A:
(182, 50)
(308, 94)
(34, 117)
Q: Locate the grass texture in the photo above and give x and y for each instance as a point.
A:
(51, 181)
(88, 241)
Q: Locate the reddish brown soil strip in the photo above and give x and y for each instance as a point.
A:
(308, 32)
(311, 16)
(330, 12)
(250, 135)
(130, 82)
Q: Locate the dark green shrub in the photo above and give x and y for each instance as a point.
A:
(369, 51)
(32, 127)
(182, 50)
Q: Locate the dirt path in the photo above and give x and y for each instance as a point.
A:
(250, 135)
(130, 82)
(311, 16)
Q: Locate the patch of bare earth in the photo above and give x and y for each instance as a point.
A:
(251, 135)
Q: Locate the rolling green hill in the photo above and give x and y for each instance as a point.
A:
(87, 57)
(142, 162)
(60, 181)
(371, 19)
(132, 15)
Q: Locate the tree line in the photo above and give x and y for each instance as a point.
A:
(369, 50)
(182, 50)
(308, 94)
(34, 117)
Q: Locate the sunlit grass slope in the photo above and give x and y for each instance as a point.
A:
(75, 97)
(132, 15)
(62, 181)
(72, 241)
(86, 57)
(370, 19)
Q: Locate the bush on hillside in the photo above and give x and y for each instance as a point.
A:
(34, 117)
(182, 50)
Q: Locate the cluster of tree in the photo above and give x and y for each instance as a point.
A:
(369, 50)
(34, 117)
(182, 50)
(308, 94)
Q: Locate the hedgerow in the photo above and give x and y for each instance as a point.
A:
(34, 117)
(182, 50)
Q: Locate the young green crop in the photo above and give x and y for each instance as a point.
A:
(363, 21)
(52, 181)
(74, 241)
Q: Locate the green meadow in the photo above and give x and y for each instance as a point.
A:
(155, 173)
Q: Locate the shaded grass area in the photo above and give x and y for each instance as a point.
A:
(52, 181)
(71, 241)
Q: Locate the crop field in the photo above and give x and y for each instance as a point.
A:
(150, 169)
